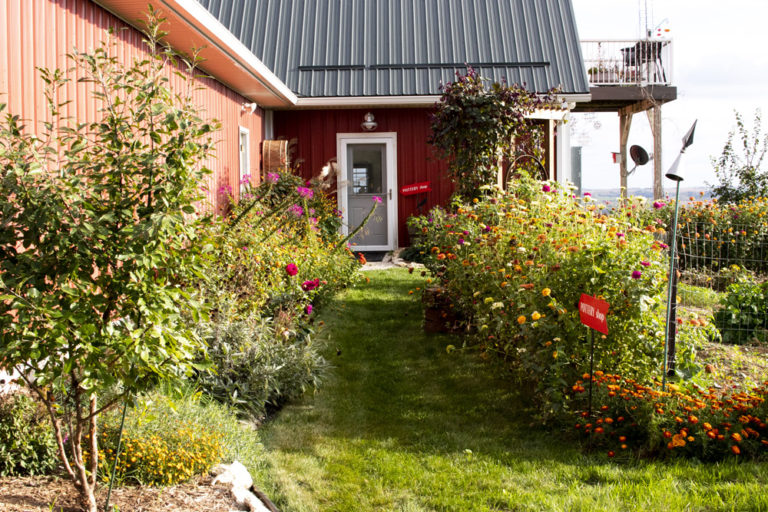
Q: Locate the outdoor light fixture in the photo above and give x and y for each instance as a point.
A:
(369, 123)
(249, 106)
(674, 174)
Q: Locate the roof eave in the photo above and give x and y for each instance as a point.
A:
(225, 58)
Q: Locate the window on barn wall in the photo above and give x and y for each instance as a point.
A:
(245, 158)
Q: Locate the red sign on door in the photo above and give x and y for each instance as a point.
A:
(593, 312)
(416, 188)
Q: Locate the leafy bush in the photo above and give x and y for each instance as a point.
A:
(99, 242)
(275, 260)
(253, 367)
(27, 444)
(474, 125)
(171, 436)
(743, 316)
(629, 416)
(516, 264)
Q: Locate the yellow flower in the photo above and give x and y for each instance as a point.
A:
(545, 292)
(521, 319)
(554, 354)
(535, 316)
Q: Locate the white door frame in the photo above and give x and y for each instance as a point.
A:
(388, 197)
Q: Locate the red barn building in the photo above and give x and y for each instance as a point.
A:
(351, 81)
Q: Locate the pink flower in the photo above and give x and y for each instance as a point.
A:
(658, 204)
(546, 188)
(305, 192)
(587, 194)
(273, 177)
(296, 210)
(291, 269)
(636, 274)
(309, 309)
(310, 285)
(645, 263)
(376, 199)
(245, 179)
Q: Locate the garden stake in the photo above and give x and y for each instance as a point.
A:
(117, 456)
(674, 175)
(591, 377)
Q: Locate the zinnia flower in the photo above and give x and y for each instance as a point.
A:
(658, 204)
(645, 263)
(521, 319)
(273, 177)
(309, 309)
(291, 269)
(545, 292)
(636, 274)
(305, 192)
(310, 285)
(376, 199)
(546, 188)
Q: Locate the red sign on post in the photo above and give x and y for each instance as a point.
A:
(416, 188)
(593, 311)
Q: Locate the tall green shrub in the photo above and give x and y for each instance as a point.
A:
(98, 243)
(475, 125)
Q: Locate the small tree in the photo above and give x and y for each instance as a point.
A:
(98, 244)
(475, 126)
(738, 167)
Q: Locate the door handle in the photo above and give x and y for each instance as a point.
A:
(390, 194)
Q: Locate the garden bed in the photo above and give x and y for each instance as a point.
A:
(32, 494)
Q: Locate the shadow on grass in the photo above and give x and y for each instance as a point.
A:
(393, 383)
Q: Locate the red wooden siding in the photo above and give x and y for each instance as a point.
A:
(39, 33)
(315, 133)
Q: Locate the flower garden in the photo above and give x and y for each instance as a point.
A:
(514, 264)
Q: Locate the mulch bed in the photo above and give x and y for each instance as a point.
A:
(52, 494)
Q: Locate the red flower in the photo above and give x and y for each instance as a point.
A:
(310, 285)
(291, 269)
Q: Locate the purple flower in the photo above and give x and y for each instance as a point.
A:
(645, 263)
(296, 210)
(487, 228)
(546, 188)
(291, 269)
(461, 241)
(309, 309)
(465, 232)
(636, 274)
(376, 199)
(305, 192)
(273, 177)
(663, 245)
(658, 205)
(310, 285)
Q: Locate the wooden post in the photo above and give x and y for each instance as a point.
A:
(654, 118)
(625, 122)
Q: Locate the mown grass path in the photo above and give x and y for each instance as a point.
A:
(400, 425)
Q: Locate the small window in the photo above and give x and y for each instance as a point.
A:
(245, 159)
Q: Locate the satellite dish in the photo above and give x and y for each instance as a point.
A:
(639, 156)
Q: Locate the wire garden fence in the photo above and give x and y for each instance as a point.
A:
(724, 273)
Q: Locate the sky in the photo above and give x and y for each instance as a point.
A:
(720, 53)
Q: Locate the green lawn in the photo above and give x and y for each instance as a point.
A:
(400, 425)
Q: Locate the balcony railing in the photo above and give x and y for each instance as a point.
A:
(635, 62)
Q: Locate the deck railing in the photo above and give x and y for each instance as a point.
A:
(628, 61)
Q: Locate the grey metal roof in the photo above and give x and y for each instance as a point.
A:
(325, 48)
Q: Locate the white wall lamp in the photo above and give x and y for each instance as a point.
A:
(369, 122)
(249, 106)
